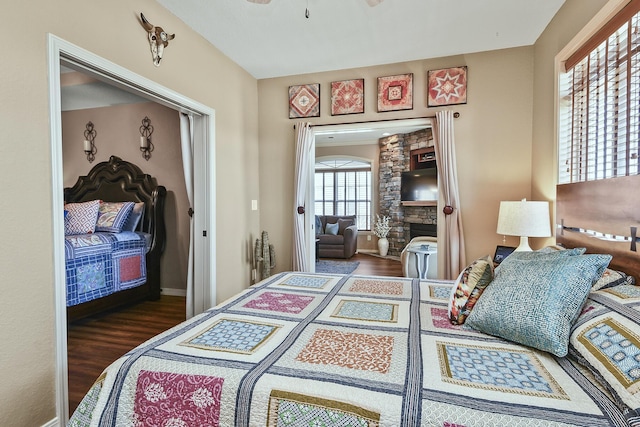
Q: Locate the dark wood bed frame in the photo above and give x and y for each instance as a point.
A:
(609, 206)
(120, 181)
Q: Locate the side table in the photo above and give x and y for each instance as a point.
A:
(422, 260)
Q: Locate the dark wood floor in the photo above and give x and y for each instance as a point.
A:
(377, 266)
(95, 342)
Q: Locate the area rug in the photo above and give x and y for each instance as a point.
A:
(336, 267)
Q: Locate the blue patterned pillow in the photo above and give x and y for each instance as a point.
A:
(549, 252)
(81, 217)
(534, 301)
(113, 215)
(331, 228)
(134, 217)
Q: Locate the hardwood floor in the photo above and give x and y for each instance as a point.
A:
(377, 266)
(95, 342)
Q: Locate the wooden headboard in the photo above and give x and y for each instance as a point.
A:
(120, 181)
(602, 216)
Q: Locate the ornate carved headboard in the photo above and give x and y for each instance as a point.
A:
(602, 216)
(120, 181)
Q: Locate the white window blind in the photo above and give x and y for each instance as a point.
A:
(344, 192)
(599, 123)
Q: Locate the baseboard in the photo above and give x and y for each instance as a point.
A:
(53, 423)
(174, 292)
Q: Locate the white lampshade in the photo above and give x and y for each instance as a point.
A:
(524, 219)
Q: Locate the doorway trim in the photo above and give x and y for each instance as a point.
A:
(204, 191)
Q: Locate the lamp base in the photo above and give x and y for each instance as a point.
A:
(524, 245)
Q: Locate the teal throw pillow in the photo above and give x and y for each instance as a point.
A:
(549, 252)
(331, 228)
(535, 300)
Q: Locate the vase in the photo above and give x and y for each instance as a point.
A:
(383, 246)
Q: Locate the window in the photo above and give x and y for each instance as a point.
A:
(599, 123)
(343, 187)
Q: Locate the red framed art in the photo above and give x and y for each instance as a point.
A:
(347, 97)
(395, 92)
(304, 101)
(447, 86)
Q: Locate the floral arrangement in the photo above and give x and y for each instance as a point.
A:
(381, 228)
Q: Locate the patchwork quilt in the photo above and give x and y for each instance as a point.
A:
(302, 349)
(100, 264)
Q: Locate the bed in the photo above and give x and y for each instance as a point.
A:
(347, 350)
(114, 238)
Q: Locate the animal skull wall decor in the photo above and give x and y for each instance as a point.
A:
(158, 39)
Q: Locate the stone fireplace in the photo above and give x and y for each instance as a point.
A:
(395, 159)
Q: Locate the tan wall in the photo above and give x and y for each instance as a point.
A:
(191, 67)
(493, 138)
(572, 17)
(118, 134)
(370, 152)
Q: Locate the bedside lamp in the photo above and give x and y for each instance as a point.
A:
(524, 219)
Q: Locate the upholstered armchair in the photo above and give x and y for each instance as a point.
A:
(337, 235)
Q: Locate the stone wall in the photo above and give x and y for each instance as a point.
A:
(394, 159)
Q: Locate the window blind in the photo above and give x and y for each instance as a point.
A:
(599, 123)
(344, 192)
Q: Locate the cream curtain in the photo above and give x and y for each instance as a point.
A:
(450, 235)
(304, 142)
(186, 139)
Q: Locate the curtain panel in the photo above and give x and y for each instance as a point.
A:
(451, 249)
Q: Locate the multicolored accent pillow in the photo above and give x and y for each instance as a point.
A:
(535, 301)
(81, 217)
(468, 288)
(113, 215)
(611, 278)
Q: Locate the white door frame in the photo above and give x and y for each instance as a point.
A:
(204, 188)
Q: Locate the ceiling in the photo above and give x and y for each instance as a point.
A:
(275, 39)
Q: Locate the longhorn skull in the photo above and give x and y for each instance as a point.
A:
(158, 39)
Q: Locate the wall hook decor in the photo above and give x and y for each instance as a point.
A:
(146, 146)
(90, 142)
(158, 39)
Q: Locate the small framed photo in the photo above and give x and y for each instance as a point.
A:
(304, 101)
(447, 86)
(395, 92)
(347, 97)
(501, 253)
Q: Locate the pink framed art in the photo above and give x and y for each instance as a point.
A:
(395, 92)
(304, 101)
(447, 86)
(347, 97)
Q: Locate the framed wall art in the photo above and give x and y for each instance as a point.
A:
(304, 101)
(447, 86)
(395, 92)
(347, 97)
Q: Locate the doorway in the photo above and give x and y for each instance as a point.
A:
(204, 185)
(353, 138)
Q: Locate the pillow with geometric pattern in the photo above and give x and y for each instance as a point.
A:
(113, 215)
(81, 217)
(468, 288)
